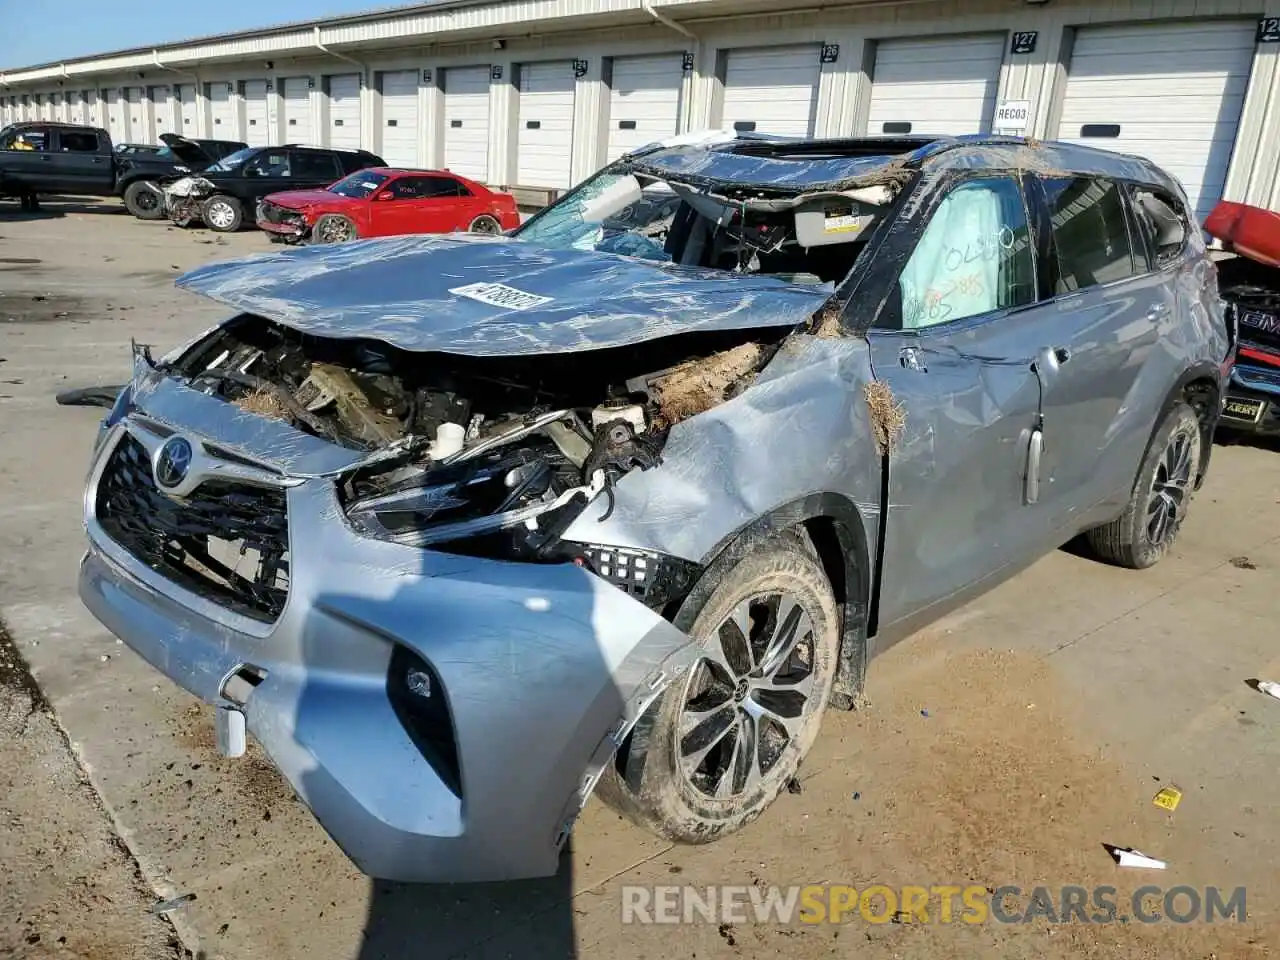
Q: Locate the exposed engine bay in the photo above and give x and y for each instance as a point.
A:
(463, 448)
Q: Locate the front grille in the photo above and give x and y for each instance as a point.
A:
(226, 541)
(277, 214)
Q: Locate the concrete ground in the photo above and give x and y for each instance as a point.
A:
(1003, 746)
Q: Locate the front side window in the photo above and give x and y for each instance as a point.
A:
(269, 163)
(1089, 231)
(28, 140)
(973, 257)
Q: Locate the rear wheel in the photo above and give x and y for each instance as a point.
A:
(333, 228)
(485, 224)
(223, 214)
(1146, 530)
(724, 740)
(143, 200)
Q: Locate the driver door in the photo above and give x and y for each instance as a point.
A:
(956, 344)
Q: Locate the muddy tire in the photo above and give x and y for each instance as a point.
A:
(143, 200)
(717, 748)
(334, 228)
(222, 213)
(485, 224)
(1146, 530)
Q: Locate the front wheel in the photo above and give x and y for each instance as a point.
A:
(223, 214)
(333, 228)
(144, 200)
(1146, 530)
(721, 743)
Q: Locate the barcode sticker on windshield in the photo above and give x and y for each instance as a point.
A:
(500, 295)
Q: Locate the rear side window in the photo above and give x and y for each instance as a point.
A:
(1090, 233)
(78, 141)
(314, 166)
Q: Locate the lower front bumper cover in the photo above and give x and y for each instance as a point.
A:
(544, 669)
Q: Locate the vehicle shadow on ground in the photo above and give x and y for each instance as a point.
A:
(1231, 438)
(407, 921)
(53, 209)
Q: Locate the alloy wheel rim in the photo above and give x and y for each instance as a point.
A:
(748, 698)
(334, 231)
(1169, 489)
(146, 200)
(485, 225)
(220, 214)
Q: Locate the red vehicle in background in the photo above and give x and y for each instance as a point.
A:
(384, 202)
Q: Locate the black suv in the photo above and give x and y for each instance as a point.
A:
(141, 176)
(227, 192)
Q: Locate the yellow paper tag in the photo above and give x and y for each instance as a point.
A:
(1167, 798)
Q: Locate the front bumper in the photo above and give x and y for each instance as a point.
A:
(290, 231)
(1252, 403)
(544, 669)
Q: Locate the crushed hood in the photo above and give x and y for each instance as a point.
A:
(494, 296)
(298, 199)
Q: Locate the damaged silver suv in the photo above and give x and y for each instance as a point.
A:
(460, 527)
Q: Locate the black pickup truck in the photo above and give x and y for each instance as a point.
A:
(37, 158)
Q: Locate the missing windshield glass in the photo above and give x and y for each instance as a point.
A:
(810, 239)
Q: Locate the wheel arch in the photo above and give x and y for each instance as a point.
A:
(1201, 387)
(837, 532)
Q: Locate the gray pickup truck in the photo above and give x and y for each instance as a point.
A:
(38, 157)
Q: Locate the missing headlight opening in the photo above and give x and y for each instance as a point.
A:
(489, 455)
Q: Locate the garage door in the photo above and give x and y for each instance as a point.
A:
(257, 132)
(344, 112)
(89, 107)
(545, 147)
(161, 111)
(939, 85)
(222, 117)
(297, 111)
(137, 122)
(400, 118)
(1169, 92)
(466, 121)
(187, 109)
(115, 116)
(772, 90)
(644, 101)
(55, 108)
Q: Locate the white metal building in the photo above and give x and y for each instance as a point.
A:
(538, 94)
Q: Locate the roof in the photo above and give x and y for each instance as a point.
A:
(838, 164)
(377, 13)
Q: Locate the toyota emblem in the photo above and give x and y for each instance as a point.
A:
(173, 462)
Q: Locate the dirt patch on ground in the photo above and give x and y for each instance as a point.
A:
(25, 308)
(69, 887)
(981, 781)
(251, 777)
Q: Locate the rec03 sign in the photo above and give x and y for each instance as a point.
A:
(1012, 116)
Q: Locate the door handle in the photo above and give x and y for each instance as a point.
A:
(1158, 311)
(45, 158)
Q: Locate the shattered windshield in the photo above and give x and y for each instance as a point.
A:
(358, 185)
(811, 238)
(232, 161)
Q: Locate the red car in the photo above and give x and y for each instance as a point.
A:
(382, 202)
